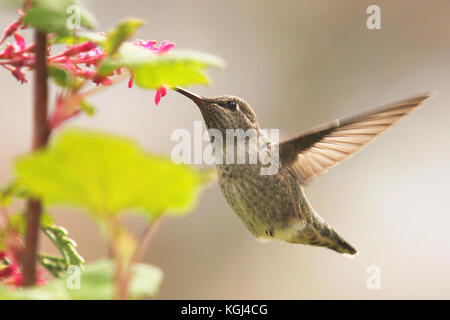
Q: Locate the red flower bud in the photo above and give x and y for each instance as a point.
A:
(10, 30)
(8, 53)
(76, 49)
(161, 92)
(20, 41)
(6, 272)
(19, 74)
(131, 82)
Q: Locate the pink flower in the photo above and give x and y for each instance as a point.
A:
(20, 41)
(78, 48)
(146, 44)
(161, 92)
(17, 55)
(11, 274)
(86, 74)
(80, 60)
(64, 110)
(103, 80)
(130, 82)
(18, 73)
(40, 280)
(10, 30)
(85, 53)
(91, 57)
(13, 27)
(163, 48)
(17, 279)
(8, 53)
(8, 271)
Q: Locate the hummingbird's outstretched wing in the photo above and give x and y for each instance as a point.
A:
(314, 151)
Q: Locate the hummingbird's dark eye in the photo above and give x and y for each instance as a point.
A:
(230, 105)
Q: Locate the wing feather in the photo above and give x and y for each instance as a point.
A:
(314, 151)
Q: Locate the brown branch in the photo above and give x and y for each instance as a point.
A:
(41, 134)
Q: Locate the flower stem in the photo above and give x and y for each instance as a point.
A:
(41, 134)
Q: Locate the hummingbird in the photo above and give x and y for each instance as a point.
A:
(275, 206)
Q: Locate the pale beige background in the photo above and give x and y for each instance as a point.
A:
(299, 63)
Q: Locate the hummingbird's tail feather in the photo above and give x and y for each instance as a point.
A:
(320, 234)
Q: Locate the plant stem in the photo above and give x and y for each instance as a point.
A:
(147, 236)
(5, 217)
(123, 281)
(41, 134)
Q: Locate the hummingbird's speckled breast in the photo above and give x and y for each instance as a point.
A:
(270, 206)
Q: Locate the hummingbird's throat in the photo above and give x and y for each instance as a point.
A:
(249, 147)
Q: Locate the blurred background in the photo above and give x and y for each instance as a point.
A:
(298, 63)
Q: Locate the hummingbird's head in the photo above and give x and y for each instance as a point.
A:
(224, 112)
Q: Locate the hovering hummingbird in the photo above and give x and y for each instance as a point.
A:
(275, 206)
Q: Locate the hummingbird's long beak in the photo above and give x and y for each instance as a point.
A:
(196, 98)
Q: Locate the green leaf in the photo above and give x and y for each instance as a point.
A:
(87, 107)
(46, 220)
(18, 223)
(122, 32)
(154, 70)
(6, 194)
(10, 191)
(106, 175)
(66, 246)
(97, 281)
(54, 16)
(61, 76)
(53, 264)
(79, 37)
(54, 290)
(145, 282)
(46, 20)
